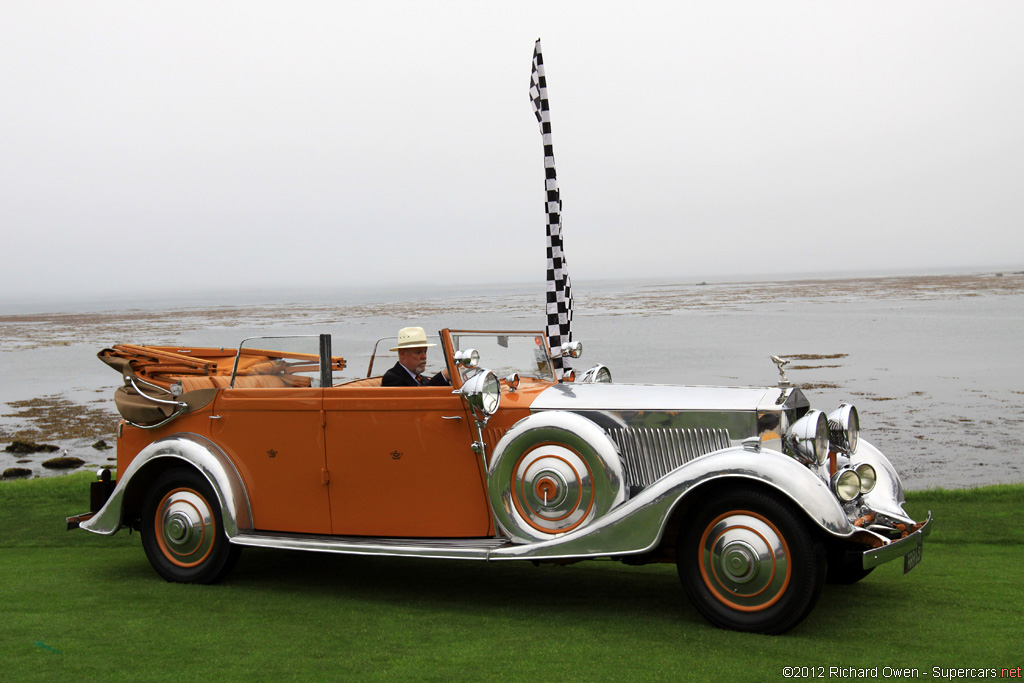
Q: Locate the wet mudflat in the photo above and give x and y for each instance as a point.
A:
(932, 362)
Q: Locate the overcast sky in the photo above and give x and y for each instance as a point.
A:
(323, 144)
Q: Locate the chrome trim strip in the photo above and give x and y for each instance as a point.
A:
(441, 548)
(897, 549)
(206, 457)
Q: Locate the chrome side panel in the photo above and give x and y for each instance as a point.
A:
(202, 454)
(637, 525)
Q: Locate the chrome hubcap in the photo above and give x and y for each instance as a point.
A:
(740, 562)
(185, 527)
(553, 488)
(178, 528)
(744, 560)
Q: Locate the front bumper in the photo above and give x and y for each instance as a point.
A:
(909, 548)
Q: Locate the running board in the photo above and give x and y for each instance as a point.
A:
(441, 548)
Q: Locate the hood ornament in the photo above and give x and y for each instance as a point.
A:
(781, 363)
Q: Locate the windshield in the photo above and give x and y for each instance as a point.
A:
(506, 352)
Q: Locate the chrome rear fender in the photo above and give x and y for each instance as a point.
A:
(638, 524)
(191, 450)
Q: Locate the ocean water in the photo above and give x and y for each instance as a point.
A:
(931, 361)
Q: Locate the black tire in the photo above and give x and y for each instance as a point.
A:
(749, 563)
(844, 569)
(182, 529)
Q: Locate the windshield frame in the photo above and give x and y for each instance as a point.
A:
(524, 369)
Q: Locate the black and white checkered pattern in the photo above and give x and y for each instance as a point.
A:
(559, 291)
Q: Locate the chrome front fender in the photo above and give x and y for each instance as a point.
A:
(637, 525)
(204, 456)
(887, 497)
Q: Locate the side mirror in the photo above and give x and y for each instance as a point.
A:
(570, 350)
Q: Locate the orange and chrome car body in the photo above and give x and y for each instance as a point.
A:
(557, 471)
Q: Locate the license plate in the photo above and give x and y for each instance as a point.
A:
(911, 559)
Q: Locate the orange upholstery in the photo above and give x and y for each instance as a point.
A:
(193, 383)
(368, 382)
(243, 382)
(211, 368)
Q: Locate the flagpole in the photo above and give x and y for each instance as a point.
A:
(559, 290)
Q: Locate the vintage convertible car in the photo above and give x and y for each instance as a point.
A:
(756, 497)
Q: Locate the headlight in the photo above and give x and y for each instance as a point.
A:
(808, 437)
(482, 393)
(599, 374)
(867, 477)
(846, 484)
(844, 428)
(469, 358)
(492, 393)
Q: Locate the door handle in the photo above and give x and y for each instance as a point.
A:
(451, 417)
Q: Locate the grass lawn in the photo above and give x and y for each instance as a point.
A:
(76, 606)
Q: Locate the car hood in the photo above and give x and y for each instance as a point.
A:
(661, 397)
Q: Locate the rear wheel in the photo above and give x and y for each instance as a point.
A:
(749, 563)
(182, 531)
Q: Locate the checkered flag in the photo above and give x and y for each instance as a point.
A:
(559, 291)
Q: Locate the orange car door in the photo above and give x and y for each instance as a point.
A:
(401, 465)
(275, 437)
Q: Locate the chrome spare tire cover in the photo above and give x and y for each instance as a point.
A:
(551, 473)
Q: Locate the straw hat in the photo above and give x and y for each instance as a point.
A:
(412, 338)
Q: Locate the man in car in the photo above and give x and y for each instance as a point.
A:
(412, 361)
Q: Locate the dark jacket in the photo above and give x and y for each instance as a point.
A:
(398, 376)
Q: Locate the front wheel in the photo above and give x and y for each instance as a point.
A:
(749, 563)
(182, 532)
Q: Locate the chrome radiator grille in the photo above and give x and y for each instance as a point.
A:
(651, 453)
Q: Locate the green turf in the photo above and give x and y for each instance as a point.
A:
(76, 606)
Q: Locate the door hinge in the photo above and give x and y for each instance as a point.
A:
(325, 476)
(323, 418)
